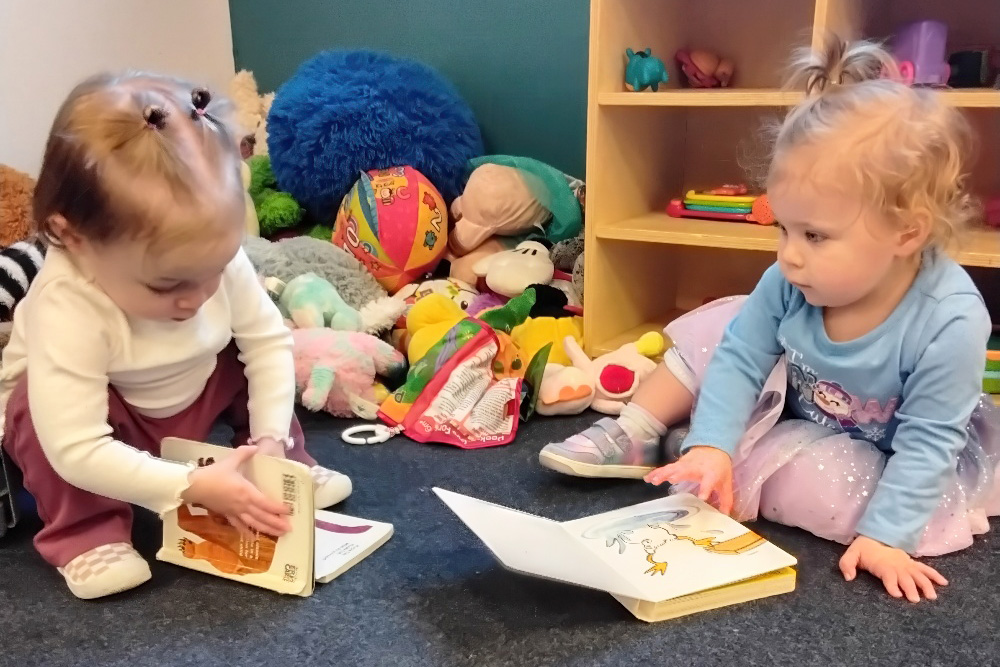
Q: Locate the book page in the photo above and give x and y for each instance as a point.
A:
(202, 540)
(676, 545)
(342, 541)
(533, 545)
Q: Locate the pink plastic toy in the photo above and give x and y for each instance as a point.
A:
(920, 48)
(704, 69)
(993, 211)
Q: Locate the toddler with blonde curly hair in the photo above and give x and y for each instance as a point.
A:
(844, 394)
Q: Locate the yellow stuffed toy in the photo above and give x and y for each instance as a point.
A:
(537, 332)
(430, 318)
(428, 321)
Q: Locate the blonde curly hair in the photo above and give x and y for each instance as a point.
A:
(904, 149)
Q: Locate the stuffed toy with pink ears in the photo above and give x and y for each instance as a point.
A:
(342, 372)
(704, 69)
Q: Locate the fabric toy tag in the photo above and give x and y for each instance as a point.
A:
(362, 408)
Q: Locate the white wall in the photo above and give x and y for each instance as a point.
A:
(48, 46)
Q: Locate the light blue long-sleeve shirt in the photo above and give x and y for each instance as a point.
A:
(909, 386)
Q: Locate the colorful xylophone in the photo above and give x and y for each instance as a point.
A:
(714, 206)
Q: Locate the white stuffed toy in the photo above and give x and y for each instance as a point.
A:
(511, 272)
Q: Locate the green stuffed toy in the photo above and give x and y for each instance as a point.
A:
(276, 210)
(320, 232)
(311, 302)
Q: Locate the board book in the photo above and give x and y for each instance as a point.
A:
(320, 546)
(661, 559)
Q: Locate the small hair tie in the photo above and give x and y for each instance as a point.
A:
(200, 97)
(155, 117)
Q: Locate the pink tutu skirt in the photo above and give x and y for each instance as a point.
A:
(793, 471)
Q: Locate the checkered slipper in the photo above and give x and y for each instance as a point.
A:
(105, 570)
(330, 487)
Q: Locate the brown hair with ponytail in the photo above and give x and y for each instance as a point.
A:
(119, 137)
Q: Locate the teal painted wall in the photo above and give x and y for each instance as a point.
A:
(520, 64)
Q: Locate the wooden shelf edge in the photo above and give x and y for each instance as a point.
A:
(982, 248)
(973, 97)
(662, 228)
(725, 97)
(766, 97)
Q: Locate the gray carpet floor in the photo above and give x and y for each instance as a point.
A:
(433, 595)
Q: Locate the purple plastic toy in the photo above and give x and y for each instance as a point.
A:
(920, 48)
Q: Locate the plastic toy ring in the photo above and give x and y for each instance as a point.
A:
(378, 433)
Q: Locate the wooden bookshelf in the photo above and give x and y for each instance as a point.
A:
(644, 267)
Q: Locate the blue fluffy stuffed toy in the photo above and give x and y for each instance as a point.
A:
(344, 112)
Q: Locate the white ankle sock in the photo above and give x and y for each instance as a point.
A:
(639, 424)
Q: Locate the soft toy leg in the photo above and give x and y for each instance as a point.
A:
(317, 389)
(387, 359)
(347, 320)
(308, 317)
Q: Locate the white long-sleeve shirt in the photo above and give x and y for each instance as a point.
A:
(74, 342)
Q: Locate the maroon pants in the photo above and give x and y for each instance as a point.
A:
(75, 521)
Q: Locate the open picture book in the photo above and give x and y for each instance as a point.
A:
(320, 546)
(661, 559)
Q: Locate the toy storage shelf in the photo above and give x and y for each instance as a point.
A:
(644, 268)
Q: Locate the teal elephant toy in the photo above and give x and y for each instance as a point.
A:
(310, 301)
(644, 70)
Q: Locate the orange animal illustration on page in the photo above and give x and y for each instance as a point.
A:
(223, 546)
(731, 547)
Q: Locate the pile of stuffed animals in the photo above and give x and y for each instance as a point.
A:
(516, 225)
(354, 341)
(336, 311)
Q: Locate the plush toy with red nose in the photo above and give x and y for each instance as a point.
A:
(604, 384)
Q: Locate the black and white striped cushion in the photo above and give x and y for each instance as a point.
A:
(19, 264)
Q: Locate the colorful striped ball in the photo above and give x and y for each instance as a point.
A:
(396, 223)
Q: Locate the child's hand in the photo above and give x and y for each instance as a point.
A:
(270, 447)
(222, 488)
(710, 468)
(899, 573)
